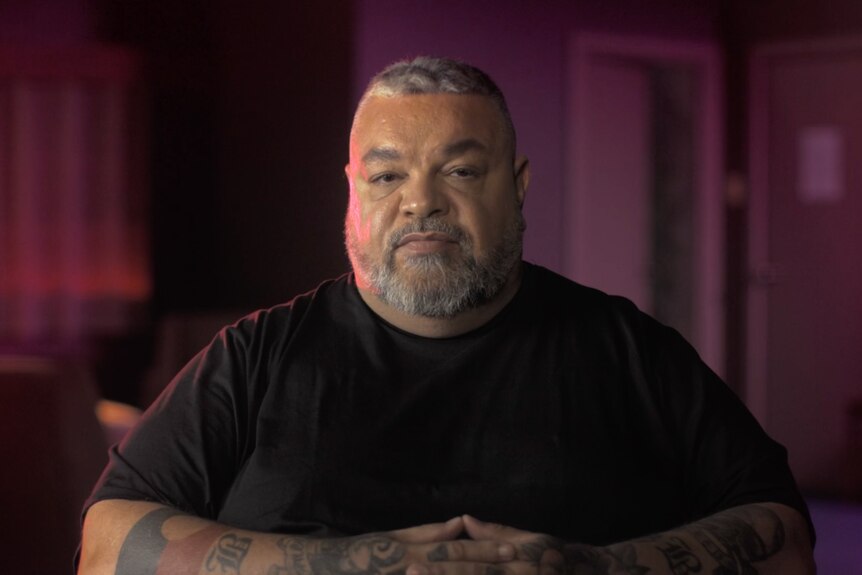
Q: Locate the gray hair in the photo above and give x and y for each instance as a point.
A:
(428, 75)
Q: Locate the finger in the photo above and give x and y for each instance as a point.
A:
(473, 568)
(535, 548)
(480, 530)
(430, 532)
(465, 550)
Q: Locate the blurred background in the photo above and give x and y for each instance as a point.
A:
(168, 166)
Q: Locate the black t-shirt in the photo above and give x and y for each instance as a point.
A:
(570, 413)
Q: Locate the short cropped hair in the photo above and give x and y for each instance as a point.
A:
(429, 75)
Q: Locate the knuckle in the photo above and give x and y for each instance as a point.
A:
(457, 550)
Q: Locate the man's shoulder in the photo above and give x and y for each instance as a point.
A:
(566, 294)
(332, 289)
(326, 300)
(598, 316)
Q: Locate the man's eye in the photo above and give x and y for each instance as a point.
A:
(385, 178)
(464, 173)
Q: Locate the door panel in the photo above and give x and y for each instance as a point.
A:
(642, 216)
(813, 363)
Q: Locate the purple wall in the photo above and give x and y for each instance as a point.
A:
(46, 21)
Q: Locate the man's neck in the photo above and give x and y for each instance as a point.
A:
(464, 322)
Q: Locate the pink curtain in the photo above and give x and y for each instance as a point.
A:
(74, 255)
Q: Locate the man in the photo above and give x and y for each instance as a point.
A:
(446, 409)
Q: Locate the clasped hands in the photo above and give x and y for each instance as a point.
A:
(440, 549)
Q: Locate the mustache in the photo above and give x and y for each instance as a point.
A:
(427, 225)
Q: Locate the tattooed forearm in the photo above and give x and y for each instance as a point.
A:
(586, 560)
(147, 551)
(144, 545)
(680, 557)
(734, 542)
(364, 555)
(294, 554)
(227, 555)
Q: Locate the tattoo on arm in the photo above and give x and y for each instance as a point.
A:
(735, 544)
(227, 555)
(294, 552)
(679, 556)
(144, 544)
(733, 539)
(574, 559)
(363, 555)
(146, 551)
(586, 560)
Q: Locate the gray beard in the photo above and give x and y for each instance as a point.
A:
(438, 285)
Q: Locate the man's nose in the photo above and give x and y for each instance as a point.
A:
(423, 198)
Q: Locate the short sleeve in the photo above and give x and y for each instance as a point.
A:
(729, 460)
(186, 449)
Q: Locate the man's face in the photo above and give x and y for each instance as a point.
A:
(434, 221)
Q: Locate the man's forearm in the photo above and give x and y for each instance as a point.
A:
(756, 538)
(140, 538)
(135, 538)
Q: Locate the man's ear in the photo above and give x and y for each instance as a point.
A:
(522, 177)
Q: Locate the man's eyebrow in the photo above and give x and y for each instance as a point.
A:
(462, 146)
(384, 154)
(380, 155)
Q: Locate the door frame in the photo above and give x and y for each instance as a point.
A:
(761, 271)
(705, 58)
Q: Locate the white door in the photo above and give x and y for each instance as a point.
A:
(644, 204)
(805, 298)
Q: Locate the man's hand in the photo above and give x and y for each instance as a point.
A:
(534, 552)
(757, 538)
(409, 551)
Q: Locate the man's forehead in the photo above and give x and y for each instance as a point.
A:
(436, 100)
(381, 121)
